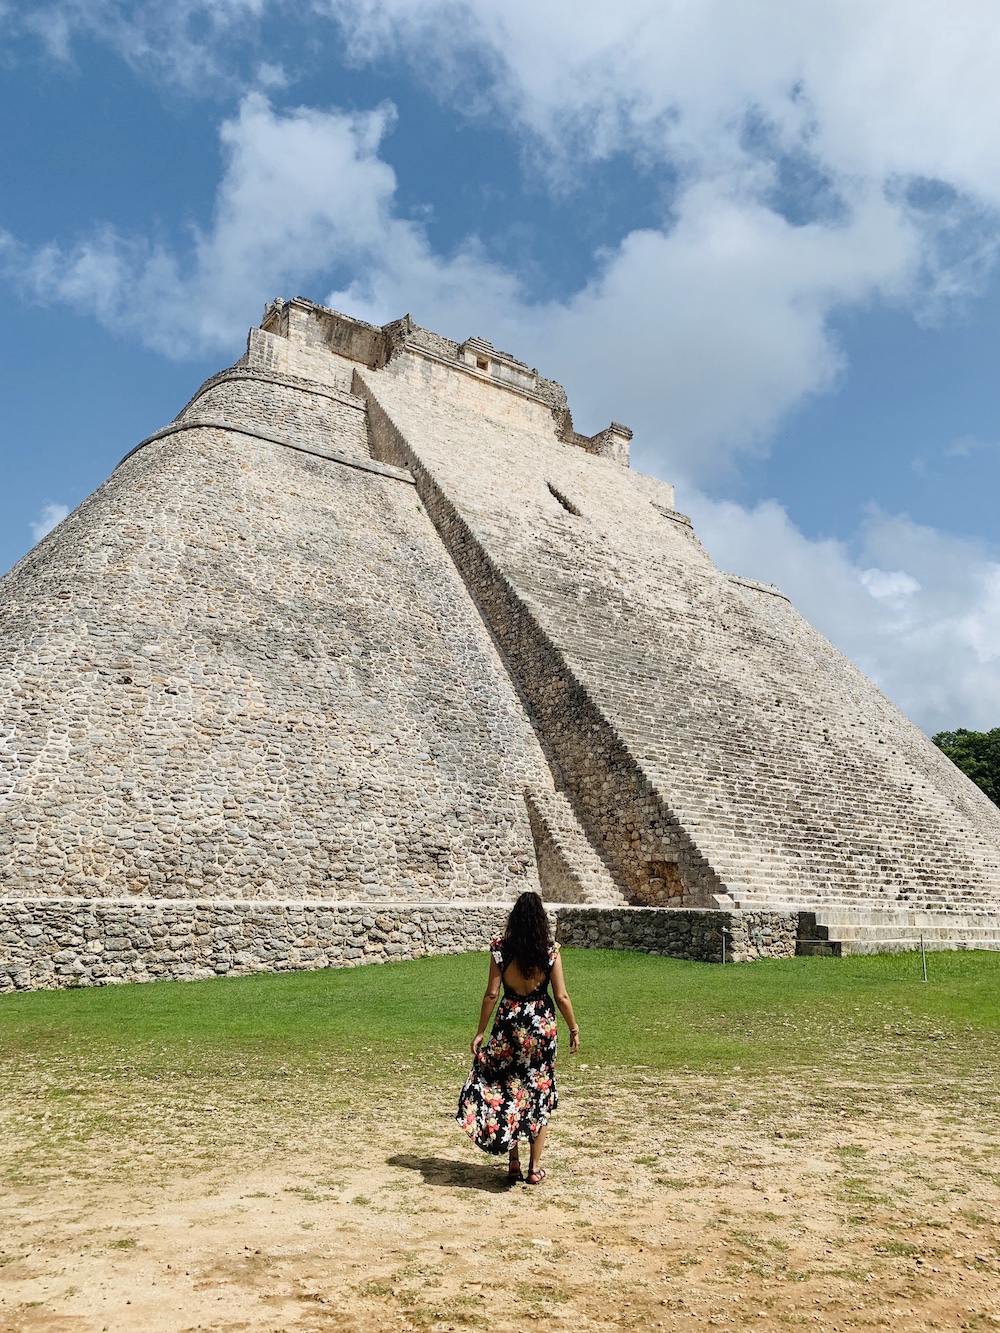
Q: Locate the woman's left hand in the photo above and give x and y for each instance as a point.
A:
(477, 1041)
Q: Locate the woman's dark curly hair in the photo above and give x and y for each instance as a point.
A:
(526, 940)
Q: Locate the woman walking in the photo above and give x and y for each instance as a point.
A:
(511, 1090)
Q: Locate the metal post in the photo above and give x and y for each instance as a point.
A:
(725, 932)
(923, 958)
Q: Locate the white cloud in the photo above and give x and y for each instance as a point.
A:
(890, 585)
(707, 333)
(803, 108)
(711, 331)
(712, 326)
(304, 194)
(270, 75)
(968, 445)
(871, 91)
(917, 609)
(50, 514)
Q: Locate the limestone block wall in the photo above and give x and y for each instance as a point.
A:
(569, 868)
(292, 390)
(311, 416)
(708, 738)
(870, 783)
(241, 671)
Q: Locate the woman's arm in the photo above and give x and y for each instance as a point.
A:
(489, 1002)
(561, 996)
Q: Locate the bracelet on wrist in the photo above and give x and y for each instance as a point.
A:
(573, 1031)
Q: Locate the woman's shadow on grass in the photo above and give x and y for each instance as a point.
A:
(458, 1175)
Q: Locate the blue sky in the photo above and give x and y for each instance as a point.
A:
(767, 242)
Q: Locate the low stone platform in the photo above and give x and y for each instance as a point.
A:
(56, 942)
(838, 931)
(48, 943)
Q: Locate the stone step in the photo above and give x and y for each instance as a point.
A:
(870, 946)
(899, 932)
(818, 949)
(916, 933)
(872, 917)
(842, 929)
(977, 913)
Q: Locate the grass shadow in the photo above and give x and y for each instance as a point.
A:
(444, 1171)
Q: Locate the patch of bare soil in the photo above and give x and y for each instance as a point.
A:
(318, 1202)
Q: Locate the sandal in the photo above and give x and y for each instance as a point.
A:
(514, 1171)
(536, 1175)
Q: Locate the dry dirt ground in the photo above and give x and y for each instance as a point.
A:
(327, 1199)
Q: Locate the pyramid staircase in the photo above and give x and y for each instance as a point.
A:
(841, 920)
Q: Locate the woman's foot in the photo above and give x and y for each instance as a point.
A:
(535, 1175)
(514, 1167)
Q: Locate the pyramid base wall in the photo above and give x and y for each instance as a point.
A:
(50, 943)
(693, 933)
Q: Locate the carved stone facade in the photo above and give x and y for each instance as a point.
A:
(370, 625)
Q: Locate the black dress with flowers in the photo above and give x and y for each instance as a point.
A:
(511, 1090)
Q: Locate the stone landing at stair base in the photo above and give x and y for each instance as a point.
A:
(49, 943)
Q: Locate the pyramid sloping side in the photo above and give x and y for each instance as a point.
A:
(696, 721)
(241, 670)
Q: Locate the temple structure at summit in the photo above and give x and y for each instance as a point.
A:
(370, 638)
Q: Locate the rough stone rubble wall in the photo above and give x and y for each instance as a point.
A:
(695, 719)
(694, 934)
(47, 944)
(54, 943)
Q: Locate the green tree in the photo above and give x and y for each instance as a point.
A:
(977, 754)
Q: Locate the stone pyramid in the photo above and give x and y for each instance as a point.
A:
(370, 639)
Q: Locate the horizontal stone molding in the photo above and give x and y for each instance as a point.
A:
(51, 943)
(756, 586)
(331, 455)
(297, 382)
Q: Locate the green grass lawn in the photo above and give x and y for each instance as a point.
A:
(850, 1014)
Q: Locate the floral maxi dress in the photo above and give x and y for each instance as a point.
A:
(511, 1090)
